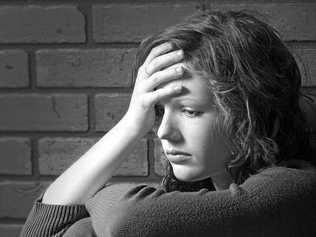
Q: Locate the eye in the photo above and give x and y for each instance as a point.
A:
(191, 113)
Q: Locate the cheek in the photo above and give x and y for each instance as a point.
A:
(207, 144)
(198, 133)
(198, 140)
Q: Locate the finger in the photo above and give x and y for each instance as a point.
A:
(160, 77)
(163, 61)
(162, 93)
(158, 50)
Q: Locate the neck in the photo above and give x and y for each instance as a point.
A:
(222, 180)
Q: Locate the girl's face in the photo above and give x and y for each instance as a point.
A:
(187, 126)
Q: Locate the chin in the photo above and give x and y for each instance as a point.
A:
(187, 175)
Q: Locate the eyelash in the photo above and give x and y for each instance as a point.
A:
(192, 113)
(159, 111)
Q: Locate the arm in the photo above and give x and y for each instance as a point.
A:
(147, 211)
(62, 202)
(276, 202)
(69, 220)
(86, 176)
(51, 220)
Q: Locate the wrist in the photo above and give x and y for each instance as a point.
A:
(128, 123)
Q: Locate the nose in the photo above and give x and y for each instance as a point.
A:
(168, 128)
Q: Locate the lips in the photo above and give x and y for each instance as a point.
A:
(177, 157)
(176, 152)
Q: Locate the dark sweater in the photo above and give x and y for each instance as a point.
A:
(276, 202)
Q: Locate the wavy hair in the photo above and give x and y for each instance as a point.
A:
(255, 82)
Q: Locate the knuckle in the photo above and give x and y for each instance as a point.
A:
(155, 80)
(154, 63)
(158, 95)
(142, 68)
(179, 53)
(172, 71)
(148, 70)
(154, 50)
(145, 103)
(158, 48)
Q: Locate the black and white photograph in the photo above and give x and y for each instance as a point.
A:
(156, 118)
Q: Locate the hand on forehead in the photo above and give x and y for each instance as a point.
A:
(186, 75)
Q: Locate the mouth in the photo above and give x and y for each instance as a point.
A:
(177, 157)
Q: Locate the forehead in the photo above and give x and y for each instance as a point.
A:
(195, 87)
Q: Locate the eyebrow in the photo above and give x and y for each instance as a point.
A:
(194, 101)
(187, 99)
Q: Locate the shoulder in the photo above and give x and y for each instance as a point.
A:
(286, 195)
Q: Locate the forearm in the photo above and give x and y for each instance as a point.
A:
(84, 178)
(51, 220)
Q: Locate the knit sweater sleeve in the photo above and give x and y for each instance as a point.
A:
(46, 220)
(276, 202)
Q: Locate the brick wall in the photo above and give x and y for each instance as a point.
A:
(65, 79)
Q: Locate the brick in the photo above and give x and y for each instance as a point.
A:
(110, 108)
(138, 20)
(10, 230)
(295, 21)
(159, 158)
(39, 24)
(306, 60)
(85, 68)
(16, 155)
(57, 154)
(13, 68)
(136, 163)
(17, 198)
(35, 112)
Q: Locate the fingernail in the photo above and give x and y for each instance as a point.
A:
(180, 52)
(177, 88)
(179, 69)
